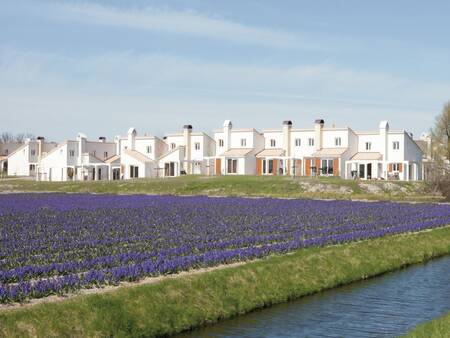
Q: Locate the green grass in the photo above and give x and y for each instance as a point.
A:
(184, 302)
(437, 328)
(253, 186)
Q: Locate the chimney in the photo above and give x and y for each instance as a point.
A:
(383, 131)
(40, 142)
(81, 138)
(227, 126)
(132, 138)
(117, 141)
(318, 133)
(187, 134)
(102, 139)
(287, 126)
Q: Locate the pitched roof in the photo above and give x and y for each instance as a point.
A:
(423, 145)
(112, 159)
(330, 152)
(367, 156)
(239, 152)
(137, 155)
(271, 152)
(170, 152)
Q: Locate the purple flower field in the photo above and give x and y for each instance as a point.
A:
(57, 243)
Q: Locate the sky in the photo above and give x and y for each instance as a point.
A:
(100, 67)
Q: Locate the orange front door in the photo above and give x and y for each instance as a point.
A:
(258, 166)
(308, 167)
(336, 167)
(218, 165)
(275, 167)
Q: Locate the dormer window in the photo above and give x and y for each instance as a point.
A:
(243, 142)
(396, 145)
(220, 142)
(368, 145)
(337, 141)
(273, 143)
(173, 146)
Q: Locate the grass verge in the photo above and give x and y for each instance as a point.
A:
(267, 186)
(436, 328)
(178, 304)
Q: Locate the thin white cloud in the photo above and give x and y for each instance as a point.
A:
(160, 87)
(186, 22)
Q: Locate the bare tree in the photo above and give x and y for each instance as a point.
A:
(6, 137)
(441, 134)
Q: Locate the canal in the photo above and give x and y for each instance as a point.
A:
(385, 306)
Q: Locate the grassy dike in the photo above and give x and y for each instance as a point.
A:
(178, 304)
(253, 186)
(437, 328)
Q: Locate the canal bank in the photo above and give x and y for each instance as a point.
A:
(389, 305)
(178, 304)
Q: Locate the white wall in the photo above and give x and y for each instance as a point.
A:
(304, 150)
(273, 135)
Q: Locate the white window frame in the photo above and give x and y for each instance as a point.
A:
(337, 141)
(395, 167)
(396, 145)
(149, 149)
(105, 154)
(233, 169)
(311, 142)
(273, 143)
(173, 145)
(368, 145)
(221, 143)
(197, 145)
(243, 142)
(298, 142)
(71, 153)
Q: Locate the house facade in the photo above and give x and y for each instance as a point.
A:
(6, 149)
(319, 150)
(24, 160)
(78, 160)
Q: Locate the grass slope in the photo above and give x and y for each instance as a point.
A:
(274, 186)
(178, 304)
(437, 328)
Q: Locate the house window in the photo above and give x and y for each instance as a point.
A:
(395, 167)
(32, 167)
(134, 171)
(72, 153)
(368, 145)
(396, 145)
(197, 145)
(149, 149)
(298, 142)
(173, 146)
(232, 166)
(243, 142)
(273, 143)
(33, 152)
(311, 142)
(267, 166)
(337, 141)
(105, 154)
(327, 167)
(220, 143)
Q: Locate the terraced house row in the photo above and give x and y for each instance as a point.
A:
(316, 151)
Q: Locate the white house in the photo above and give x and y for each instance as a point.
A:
(80, 160)
(386, 154)
(139, 154)
(188, 153)
(23, 160)
(236, 150)
(6, 149)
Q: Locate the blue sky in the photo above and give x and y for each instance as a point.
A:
(100, 67)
